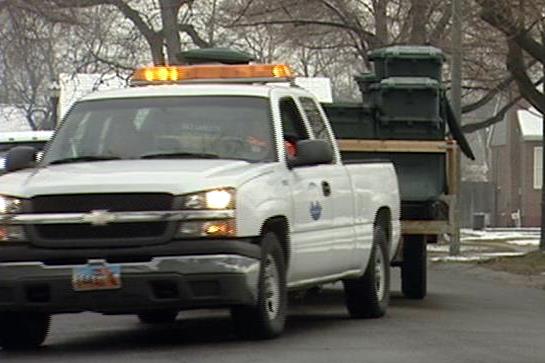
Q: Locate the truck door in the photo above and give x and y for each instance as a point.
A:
(312, 229)
(336, 182)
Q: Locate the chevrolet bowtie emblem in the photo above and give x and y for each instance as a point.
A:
(98, 217)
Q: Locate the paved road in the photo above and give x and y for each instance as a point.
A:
(469, 316)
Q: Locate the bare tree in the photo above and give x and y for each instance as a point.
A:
(353, 27)
(38, 47)
(523, 24)
(159, 22)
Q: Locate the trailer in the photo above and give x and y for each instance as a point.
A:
(424, 220)
(405, 118)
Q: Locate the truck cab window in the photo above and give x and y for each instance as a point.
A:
(292, 125)
(316, 121)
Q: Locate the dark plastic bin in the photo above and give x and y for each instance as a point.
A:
(421, 175)
(408, 108)
(350, 120)
(408, 61)
(479, 221)
(366, 82)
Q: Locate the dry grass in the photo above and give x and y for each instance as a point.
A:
(531, 264)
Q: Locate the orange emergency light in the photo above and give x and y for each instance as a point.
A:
(210, 72)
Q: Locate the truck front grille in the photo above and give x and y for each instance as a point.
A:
(84, 231)
(120, 234)
(111, 202)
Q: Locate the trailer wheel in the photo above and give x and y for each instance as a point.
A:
(368, 296)
(24, 330)
(266, 319)
(414, 267)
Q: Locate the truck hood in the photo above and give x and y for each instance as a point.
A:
(131, 176)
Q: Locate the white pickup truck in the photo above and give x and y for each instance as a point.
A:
(191, 194)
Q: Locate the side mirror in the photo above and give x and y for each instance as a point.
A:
(20, 157)
(312, 152)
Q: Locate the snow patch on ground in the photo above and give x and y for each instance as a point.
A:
(446, 248)
(472, 258)
(517, 237)
(525, 242)
(498, 235)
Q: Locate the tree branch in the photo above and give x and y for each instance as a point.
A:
(190, 30)
(439, 29)
(499, 18)
(154, 39)
(300, 22)
(498, 117)
(502, 86)
(528, 90)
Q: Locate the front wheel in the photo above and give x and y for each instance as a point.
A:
(266, 319)
(20, 330)
(368, 296)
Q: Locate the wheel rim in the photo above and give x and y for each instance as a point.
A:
(272, 288)
(380, 278)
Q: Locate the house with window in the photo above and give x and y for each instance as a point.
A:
(517, 169)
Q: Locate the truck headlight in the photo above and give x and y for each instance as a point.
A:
(10, 205)
(212, 199)
(219, 228)
(217, 199)
(11, 233)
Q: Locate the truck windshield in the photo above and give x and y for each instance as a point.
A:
(202, 127)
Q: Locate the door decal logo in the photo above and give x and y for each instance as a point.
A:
(315, 210)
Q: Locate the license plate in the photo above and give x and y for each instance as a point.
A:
(96, 277)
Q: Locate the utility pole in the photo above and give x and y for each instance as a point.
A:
(456, 96)
(54, 95)
(542, 240)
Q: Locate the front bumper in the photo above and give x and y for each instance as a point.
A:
(174, 282)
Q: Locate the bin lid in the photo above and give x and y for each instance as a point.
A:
(346, 106)
(408, 83)
(366, 78)
(214, 55)
(418, 52)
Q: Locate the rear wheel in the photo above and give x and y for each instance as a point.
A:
(414, 267)
(26, 330)
(158, 317)
(368, 296)
(266, 319)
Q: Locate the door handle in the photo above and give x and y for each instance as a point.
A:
(326, 188)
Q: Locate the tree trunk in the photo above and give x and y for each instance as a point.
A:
(381, 22)
(417, 14)
(169, 17)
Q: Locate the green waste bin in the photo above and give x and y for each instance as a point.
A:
(422, 176)
(350, 120)
(214, 55)
(408, 108)
(408, 61)
(365, 83)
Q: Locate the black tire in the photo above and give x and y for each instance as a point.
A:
(267, 318)
(158, 317)
(414, 267)
(20, 330)
(368, 296)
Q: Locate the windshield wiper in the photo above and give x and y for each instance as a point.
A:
(79, 159)
(175, 155)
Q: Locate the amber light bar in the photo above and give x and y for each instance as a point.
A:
(171, 74)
